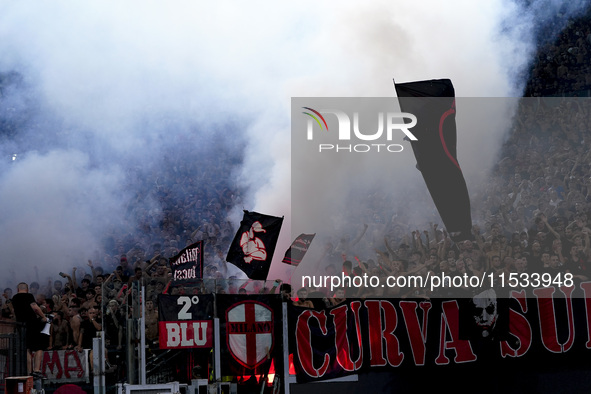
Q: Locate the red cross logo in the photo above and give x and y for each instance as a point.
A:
(249, 328)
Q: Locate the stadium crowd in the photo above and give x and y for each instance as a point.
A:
(534, 219)
(562, 66)
(533, 216)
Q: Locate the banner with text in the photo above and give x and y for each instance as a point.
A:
(535, 329)
(185, 321)
(250, 333)
(187, 265)
(62, 366)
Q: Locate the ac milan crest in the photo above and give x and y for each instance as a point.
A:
(249, 332)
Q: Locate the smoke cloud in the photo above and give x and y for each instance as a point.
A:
(99, 100)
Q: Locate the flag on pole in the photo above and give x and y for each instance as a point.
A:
(187, 265)
(254, 244)
(295, 254)
(433, 103)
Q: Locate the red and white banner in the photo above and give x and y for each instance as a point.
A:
(250, 333)
(185, 322)
(530, 330)
(249, 328)
(61, 366)
(185, 334)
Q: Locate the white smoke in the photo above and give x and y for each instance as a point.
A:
(107, 85)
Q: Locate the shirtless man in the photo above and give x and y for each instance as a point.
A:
(151, 323)
(75, 321)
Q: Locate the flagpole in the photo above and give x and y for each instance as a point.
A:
(292, 271)
(317, 265)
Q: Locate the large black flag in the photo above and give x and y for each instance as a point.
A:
(433, 104)
(254, 244)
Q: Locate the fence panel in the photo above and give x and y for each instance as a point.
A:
(13, 353)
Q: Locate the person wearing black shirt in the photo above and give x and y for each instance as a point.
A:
(28, 312)
(88, 329)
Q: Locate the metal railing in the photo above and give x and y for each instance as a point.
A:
(13, 353)
(159, 365)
